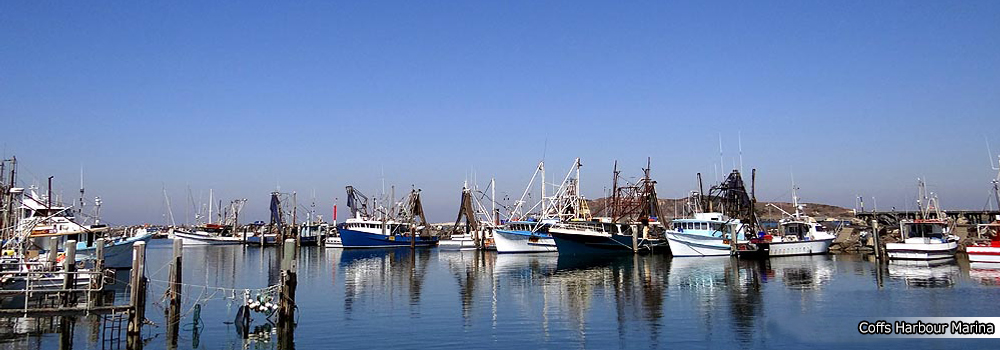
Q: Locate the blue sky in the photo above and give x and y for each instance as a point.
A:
(853, 97)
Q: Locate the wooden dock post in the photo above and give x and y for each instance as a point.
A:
(635, 239)
(137, 292)
(878, 241)
(174, 309)
(69, 266)
(97, 277)
(286, 300)
(413, 237)
(53, 252)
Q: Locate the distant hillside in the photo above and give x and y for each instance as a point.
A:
(675, 207)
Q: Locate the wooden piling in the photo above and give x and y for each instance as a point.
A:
(53, 252)
(97, 277)
(69, 266)
(286, 300)
(137, 292)
(174, 308)
(879, 253)
(635, 239)
(413, 237)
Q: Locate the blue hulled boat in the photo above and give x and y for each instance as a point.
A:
(381, 230)
(360, 233)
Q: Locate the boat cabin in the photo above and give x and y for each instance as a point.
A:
(924, 231)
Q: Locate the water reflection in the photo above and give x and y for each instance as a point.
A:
(806, 272)
(985, 273)
(472, 270)
(635, 284)
(372, 275)
(925, 274)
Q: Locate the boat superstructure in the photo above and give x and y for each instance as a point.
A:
(527, 231)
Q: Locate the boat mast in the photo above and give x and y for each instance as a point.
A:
(542, 167)
(210, 206)
(169, 211)
(795, 198)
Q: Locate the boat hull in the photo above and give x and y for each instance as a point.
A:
(358, 239)
(517, 242)
(585, 244)
(198, 239)
(921, 251)
(117, 255)
(457, 243)
(819, 246)
(685, 245)
(983, 254)
(269, 240)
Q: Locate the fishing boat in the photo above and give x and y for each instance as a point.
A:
(926, 238)
(603, 237)
(710, 232)
(528, 230)
(632, 226)
(988, 251)
(480, 224)
(208, 234)
(798, 233)
(704, 234)
(384, 230)
(212, 233)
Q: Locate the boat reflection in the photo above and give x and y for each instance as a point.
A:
(472, 269)
(371, 274)
(635, 283)
(985, 273)
(804, 272)
(925, 274)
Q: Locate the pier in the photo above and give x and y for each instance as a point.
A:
(892, 218)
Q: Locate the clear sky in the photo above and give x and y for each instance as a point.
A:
(853, 97)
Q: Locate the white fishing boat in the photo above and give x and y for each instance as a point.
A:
(798, 233)
(710, 229)
(480, 223)
(706, 234)
(208, 234)
(926, 238)
(211, 233)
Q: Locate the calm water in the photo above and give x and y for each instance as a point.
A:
(431, 298)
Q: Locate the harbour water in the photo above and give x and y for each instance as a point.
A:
(398, 298)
